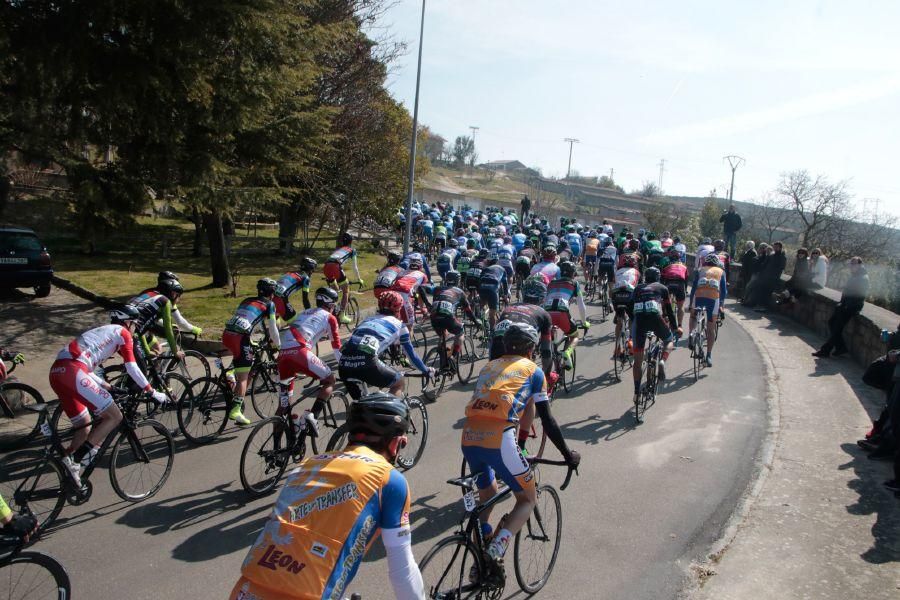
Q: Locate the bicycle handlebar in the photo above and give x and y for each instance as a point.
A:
(534, 460)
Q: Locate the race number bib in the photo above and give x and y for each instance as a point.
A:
(650, 307)
(238, 323)
(445, 308)
(369, 345)
(501, 327)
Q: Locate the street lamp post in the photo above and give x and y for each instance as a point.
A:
(412, 145)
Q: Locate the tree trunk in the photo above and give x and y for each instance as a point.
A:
(197, 220)
(287, 227)
(218, 256)
(5, 189)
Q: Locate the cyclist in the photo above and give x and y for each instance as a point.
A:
(649, 303)
(388, 274)
(674, 276)
(530, 312)
(509, 391)
(444, 306)
(152, 304)
(631, 249)
(78, 388)
(492, 285)
(560, 294)
(236, 337)
(724, 257)
(626, 280)
(440, 235)
(409, 285)
(473, 276)
(330, 510)
(426, 229)
(466, 256)
(547, 267)
(297, 355)
(334, 272)
(448, 257)
(289, 283)
(703, 249)
(573, 239)
(606, 263)
(360, 356)
(591, 249)
(505, 256)
(563, 252)
(177, 318)
(708, 291)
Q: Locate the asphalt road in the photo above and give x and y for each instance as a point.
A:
(648, 501)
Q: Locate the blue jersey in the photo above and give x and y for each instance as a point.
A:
(446, 260)
(376, 334)
(519, 241)
(574, 241)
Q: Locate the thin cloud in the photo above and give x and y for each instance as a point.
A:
(788, 111)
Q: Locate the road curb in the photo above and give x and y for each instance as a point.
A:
(82, 292)
(701, 571)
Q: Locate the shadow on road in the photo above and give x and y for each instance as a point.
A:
(593, 429)
(875, 500)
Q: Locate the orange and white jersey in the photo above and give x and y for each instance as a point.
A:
(591, 247)
(328, 513)
(709, 282)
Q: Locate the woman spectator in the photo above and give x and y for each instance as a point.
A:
(819, 268)
(769, 277)
(800, 282)
(758, 267)
(748, 263)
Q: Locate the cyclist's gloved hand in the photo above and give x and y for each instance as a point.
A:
(159, 397)
(21, 526)
(573, 459)
(587, 324)
(430, 372)
(198, 331)
(19, 358)
(361, 283)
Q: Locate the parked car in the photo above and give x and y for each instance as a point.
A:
(24, 261)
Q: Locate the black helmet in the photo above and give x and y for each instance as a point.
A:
(451, 278)
(393, 257)
(533, 291)
(567, 268)
(378, 415)
(169, 287)
(326, 296)
(124, 314)
(712, 260)
(265, 286)
(346, 239)
(416, 264)
(454, 243)
(519, 338)
(483, 253)
(651, 275)
(308, 264)
(163, 275)
(719, 245)
(528, 243)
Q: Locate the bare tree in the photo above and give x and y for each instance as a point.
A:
(819, 205)
(772, 214)
(648, 190)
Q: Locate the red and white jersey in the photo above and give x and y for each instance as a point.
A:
(96, 345)
(409, 282)
(627, 278)
(309, 327)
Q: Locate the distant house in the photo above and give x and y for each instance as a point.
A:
(504, 165)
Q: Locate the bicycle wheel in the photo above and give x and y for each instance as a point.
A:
(265, 456)
(568, 376)
(465, 362)
(352, 311)
(337, 410)
(618, 357)
(264, 393)
(202, 417)
(449, 568)
(420, 341)
(141, 460)
(181, 391)
(417, 435)
(194, 366)
(433, 360)
(31, 478)
(18, 424)
(34, 576)
(338, 439)
(537, 544)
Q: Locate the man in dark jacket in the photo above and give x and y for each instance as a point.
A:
(769, 277)
(731, 224)
(852, 299)
(748, 263)
(526, 207)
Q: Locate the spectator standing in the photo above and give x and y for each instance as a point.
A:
(731, 224)
(526, 207)
(769, 277)
(852, 299)
(801, 281)
(748, 263)
(819, 268)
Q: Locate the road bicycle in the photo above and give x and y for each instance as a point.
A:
(18, 423)
(698, 341)
(603, 296)
(352, 309)
(31, 575)
(623, 359)
(458, 566)
(650, 375)
(275, 441)
(566, 375)
(417, 436)
(720, 320)
(448, 364)
(141, 459)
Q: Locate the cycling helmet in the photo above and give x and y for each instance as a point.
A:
(391, 302)
(163, 275)
(470, 244)
(169, 287)
(393, 257)
(307, 264)
(630, 261)
(454, 243)
(570, 228)
(719, 245)
(528, 244)
(549, 252)
(451, 278)
(507, 240)
(123, 314)
(651, 275)
(533, 290)
(265, 286)
(712, 260)
(483, 253)
(655, 250)
(378, 415)
(460, 232)
(325, 296)
(346, 239)
(633, 244)
(706, 241)
(567, 269)
(673, 253)
(520, 338)
(415, 264)
(563, 245)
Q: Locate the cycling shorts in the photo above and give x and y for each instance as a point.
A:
(677, 289)
(446, 323)
(241, 349)
(620, 300)
(283, 308)
(490, 295)
(523, 269)
(590, 259)
(334, 271)
(575, 250)
(507, 462)
(710, 304)
(301, 360)
(642, 324)
(510, 271)
(78, 389)
(606, 267)
(562, 320)
(408, 314)
(367, 369)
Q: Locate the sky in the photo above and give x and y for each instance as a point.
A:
(785, 85)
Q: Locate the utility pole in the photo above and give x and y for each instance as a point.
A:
(572, 142)
(734, 161)
(662, 168)
(474, 129)
(611, 171)
(412, 145)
